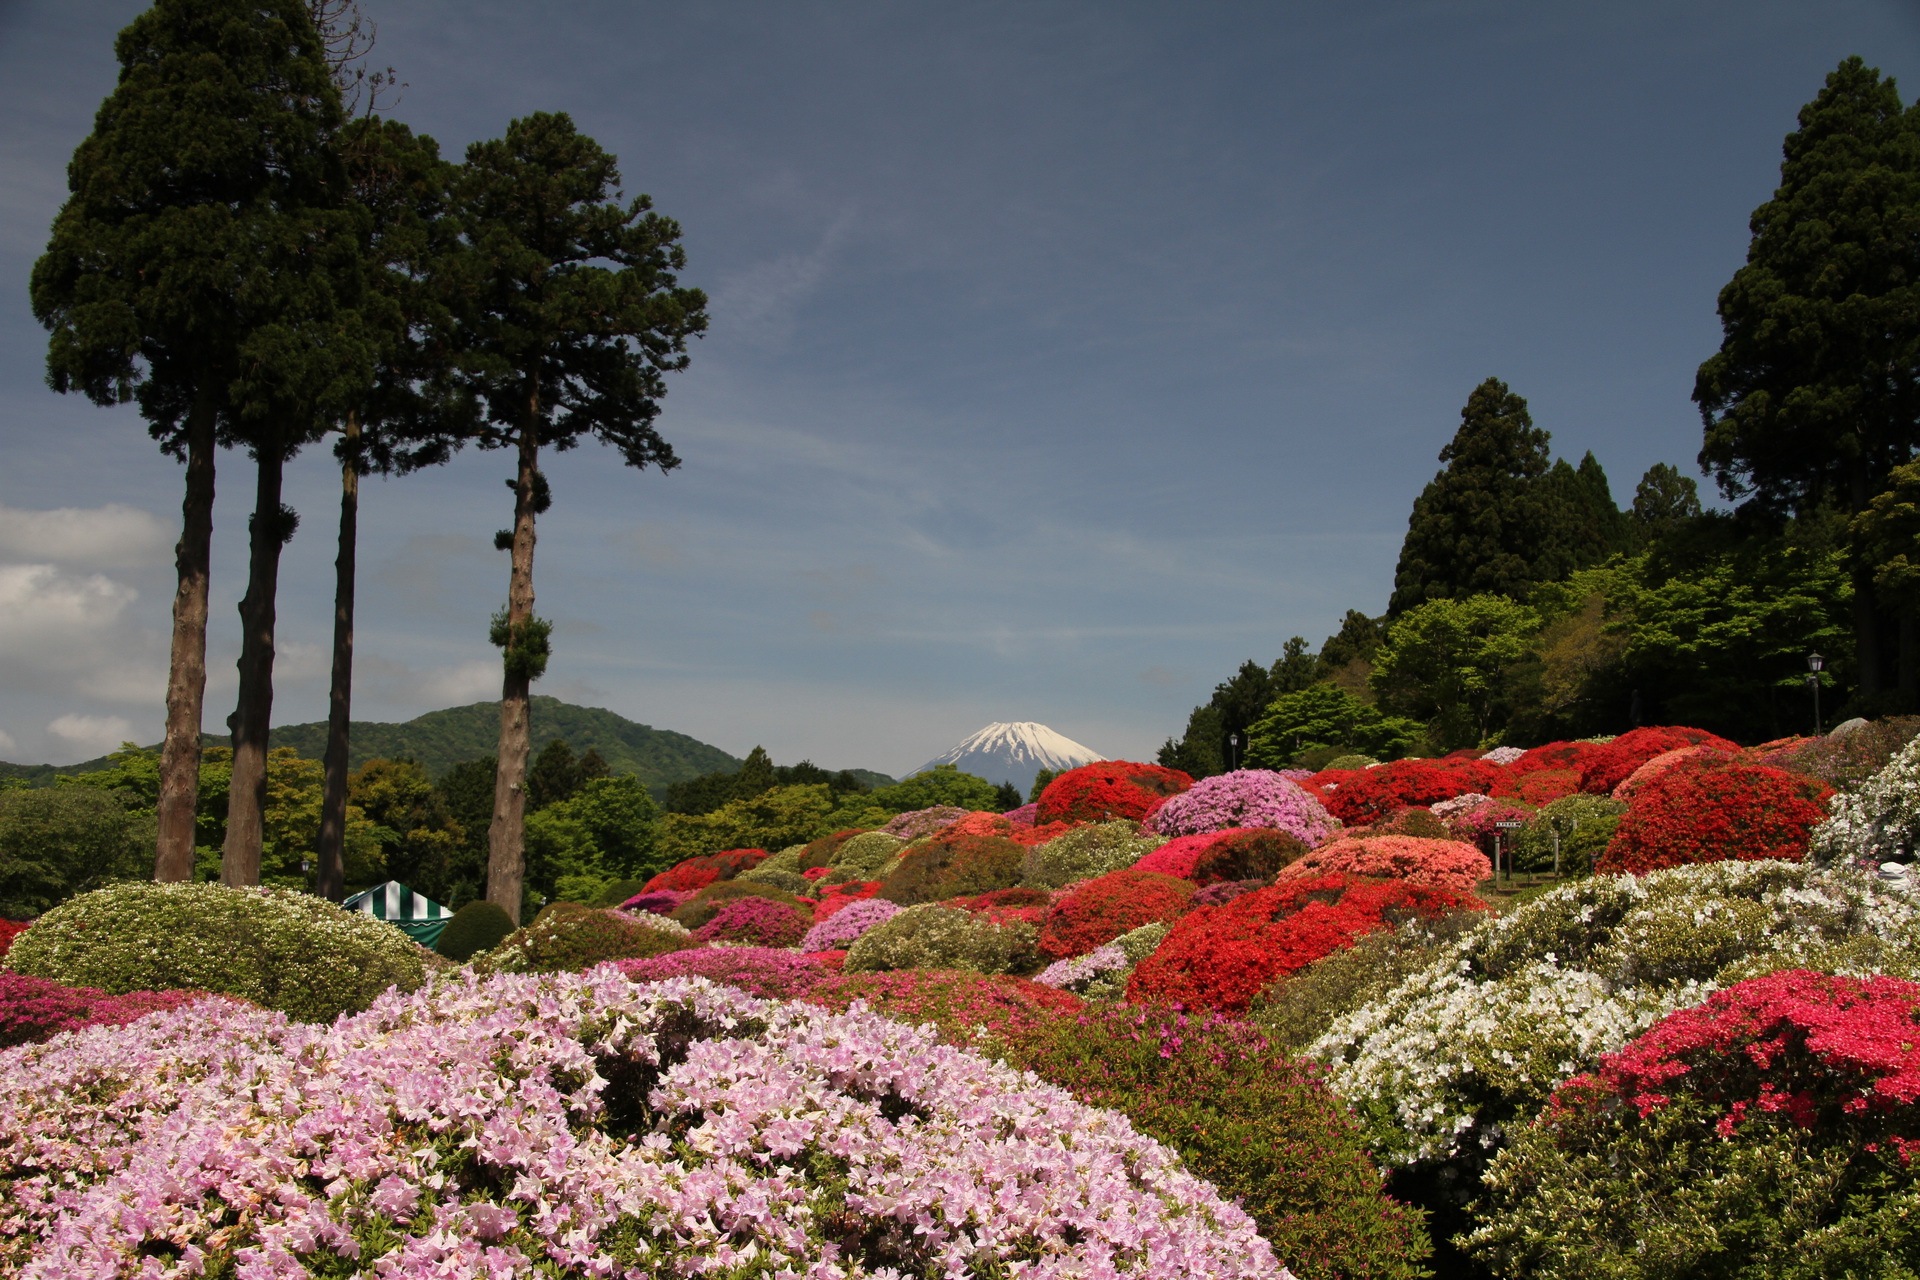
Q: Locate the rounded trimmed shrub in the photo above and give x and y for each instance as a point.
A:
(1707, 809)
(705, 905)
(1348, 762)
(1537, 787)
(931, 936)
(1879, 822)
(1247, 853)
(291, 952)
(963, 1007)
(1245, 798)
(1556, 756)
(917, 823)
(1102, 909)
(950, 866)
(1109, 791)
(478, 926)
(1220, 957)
(1607, 767)
(698, 873)
(861, 857)
(1085, 852)
(755, 922)
(1003, 906)
(1373, 794)
(569, 938)
(785, 881)
(1445, 864)
(33, 1010)
(844, 927)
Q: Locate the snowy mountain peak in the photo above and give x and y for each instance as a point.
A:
(1015, 753)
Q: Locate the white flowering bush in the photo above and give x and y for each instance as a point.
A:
(1880, 822)
(1442, 1063)
(1504, 755)
(572, 1126)
(278, 948)
(1087, 851)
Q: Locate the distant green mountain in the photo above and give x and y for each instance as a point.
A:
(441, 739)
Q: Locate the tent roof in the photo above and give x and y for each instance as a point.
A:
(394, 901)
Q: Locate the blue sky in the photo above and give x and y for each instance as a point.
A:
(1064, 354)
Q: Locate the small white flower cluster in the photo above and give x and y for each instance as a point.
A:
(1482, 1037)
(1878, 823)
(1503, 755)
(1464, 803)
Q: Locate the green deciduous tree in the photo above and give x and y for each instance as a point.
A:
(1324, 715)
(606, 831)
(59, 841)
(1814, 395)
(1446, 662)
(569, 316)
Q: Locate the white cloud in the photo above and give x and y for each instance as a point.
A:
(92, 735)
(7, 744)
(72, 633)
(383, 682)
(110, 537)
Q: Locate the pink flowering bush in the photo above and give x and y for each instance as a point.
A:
(759, 971)
(1245, 798)
(1447, 864)
(1025, 816)
(572, 1126)
(924, 822)
(839, 931)
(756, 922)
(659, 902)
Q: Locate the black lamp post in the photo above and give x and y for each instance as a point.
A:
(1233, 752)
(1815, 664)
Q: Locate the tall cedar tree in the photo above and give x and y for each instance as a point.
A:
(1813, 396)
(159, 283)
(557, 345)
(1663, 499)
(1484, 524)
(410, 417)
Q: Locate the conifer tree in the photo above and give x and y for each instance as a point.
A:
(1483, 525)
(1814, 395)
(159, 284)
(1663, 498)
(557, 345)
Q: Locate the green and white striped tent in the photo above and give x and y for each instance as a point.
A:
(418, 916)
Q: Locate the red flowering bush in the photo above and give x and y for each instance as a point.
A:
(1220, 957)
(1555, 756)
(698, 873)
(1033, 837)
(960, 1005)
(1408, 820)
(1775, 1126)
(1102, 909)
(1238, 853)
(1448, 864)
(979, 824)
(1536, 787)
(758, 922)
(1004, 906)
(9, 930)
(1476, 825)
(1374, 793)
(1708, 809)
(1608, 766)
(1109, 790)
(951, 865)
(1640, 777)
(36, 1009)
(839, 895)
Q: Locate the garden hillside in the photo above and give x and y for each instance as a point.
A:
(1380, 1019)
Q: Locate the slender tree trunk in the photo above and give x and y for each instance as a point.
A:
(271, 527)
(187, 673)
(506, 837)
(332, 845)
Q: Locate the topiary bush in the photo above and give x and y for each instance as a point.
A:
(1770, 1131)
(569, 938)
(916, 823)
(1102, 909)
(698, 873)
(861, 857)
(1555, 756)
(1846, 758)
(931, 936)
(1605, 768)
(1585, 824)
(615, 893)
(1373, 794)
(1445, 864)
(1085, 852)
(705, 905)
(1112, 790)
(1247, 853)
(950, 865)
(478, 926)
(844, 927)
(1245, 798)
(1220, 957)
(1348, 762)
(1538, 787)
(1708, 808)
(1258, 1125)
(291, 952)
(755, 922)
(785, 881)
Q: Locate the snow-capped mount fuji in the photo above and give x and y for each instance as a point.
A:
(1015, 753)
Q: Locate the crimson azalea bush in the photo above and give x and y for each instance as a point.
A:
(759, 971)
(1446, 864)
(698, 873)
(1480, 823)
(1373, 794)
(1707, 809)
(1555, 756)
(578, 1125)
(9, 930)
(1608, 766)
(1536, 787)
(1108, 791)
(659, 902)
(36, 1009)
(757, 922)
(1245, 798)
(1770, 1131)
(1647, 772)
(836, 898)
(1257, 1124)
(1220, 957)
(1240, 853)
(1100, 910)
(707, 903)
(1002, 906)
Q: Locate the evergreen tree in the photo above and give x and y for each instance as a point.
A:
(1358, 639)
(554, 776)
(756, 776)
(569, 316)
(1484, 524)
(1663, 499)
(178, 275)
(1814, 395)
(1294, 670)
(1007, 796)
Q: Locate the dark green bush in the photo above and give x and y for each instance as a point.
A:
(706, 904)
(278, 948)
(1258, 1125)
(478, 926)
(954, 867)
(568, 937)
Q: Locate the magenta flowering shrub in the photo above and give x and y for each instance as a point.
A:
(839, 930)
(924, 822)
(1245, 798)
(659, 902)
(755, 922)
(574, 1125)
(767, 972)
(1026, 815)
(35, 1009)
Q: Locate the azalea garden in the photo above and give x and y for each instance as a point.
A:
(1344, 1023)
